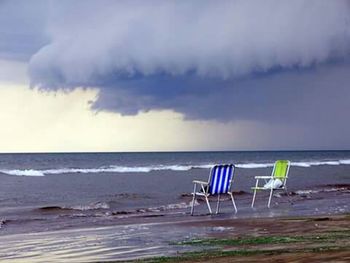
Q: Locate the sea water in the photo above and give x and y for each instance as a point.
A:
(48, 191)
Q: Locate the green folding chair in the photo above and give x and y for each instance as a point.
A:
(277, 180)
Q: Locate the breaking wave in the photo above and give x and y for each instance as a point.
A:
(99, 209)
(110, 169)
(147, 169)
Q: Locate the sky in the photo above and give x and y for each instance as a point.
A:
(155, 75)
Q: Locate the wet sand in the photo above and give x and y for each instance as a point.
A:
(318, 238)
(299, 239)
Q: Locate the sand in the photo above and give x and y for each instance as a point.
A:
(192, 239)
(301, 239)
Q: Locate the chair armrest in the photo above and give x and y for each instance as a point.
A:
(200, 182)
(263, 177)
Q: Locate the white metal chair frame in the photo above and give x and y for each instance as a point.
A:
(205, 186)
(267, 178)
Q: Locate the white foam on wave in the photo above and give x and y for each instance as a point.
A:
(182, 205)
(344, 161)
(318, 163)
(322, 190)
(254, 165)
(25, 172)
(147, 169)
(110, 169)
(93, 206)
(306, 192)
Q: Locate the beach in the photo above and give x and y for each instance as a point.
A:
(125, 123)
(122, 207)
(201, 239)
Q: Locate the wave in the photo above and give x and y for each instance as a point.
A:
(25, 172)
(318, 163)
(254, 165)
(3, 222)
(110, 169)
(147, 169)
(92, 206)
(341, 188)
(167, 207)
(101, 209)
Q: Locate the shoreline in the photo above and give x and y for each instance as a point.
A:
(193, 239)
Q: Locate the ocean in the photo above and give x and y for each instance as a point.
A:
(57, 191)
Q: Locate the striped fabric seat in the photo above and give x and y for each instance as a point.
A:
(220, 182)
(221, 176)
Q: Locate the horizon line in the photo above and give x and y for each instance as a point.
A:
(192, 151)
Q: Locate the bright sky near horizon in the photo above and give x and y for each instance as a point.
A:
(174, 76)
(63, 121)
(43, 121)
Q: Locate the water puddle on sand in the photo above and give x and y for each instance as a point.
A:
(104, 243)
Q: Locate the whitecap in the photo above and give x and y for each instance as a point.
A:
(306, 192)
(93, 206)
(346, 161)
(25, 172)
(171, 167)
(254, 165)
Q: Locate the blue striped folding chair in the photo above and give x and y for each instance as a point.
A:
(219, 182)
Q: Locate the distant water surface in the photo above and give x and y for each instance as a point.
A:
(61, 163)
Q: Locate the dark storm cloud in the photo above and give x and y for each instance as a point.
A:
(268, 61)
(97, 40)
(307, 97)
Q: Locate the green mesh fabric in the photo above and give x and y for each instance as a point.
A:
(281, 168)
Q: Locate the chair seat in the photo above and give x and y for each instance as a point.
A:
(201, 194)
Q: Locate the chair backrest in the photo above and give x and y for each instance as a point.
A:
(220, 178)
(280, 170)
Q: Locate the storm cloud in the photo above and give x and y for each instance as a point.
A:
(267, 61)
(92, 41)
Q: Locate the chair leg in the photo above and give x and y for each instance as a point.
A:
(217, 205)
(233, 202)
(256, 185)
(193, 199)
(268, 205)
(206, 199)
(253, 201)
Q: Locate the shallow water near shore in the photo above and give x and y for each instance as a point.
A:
(127, 205)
